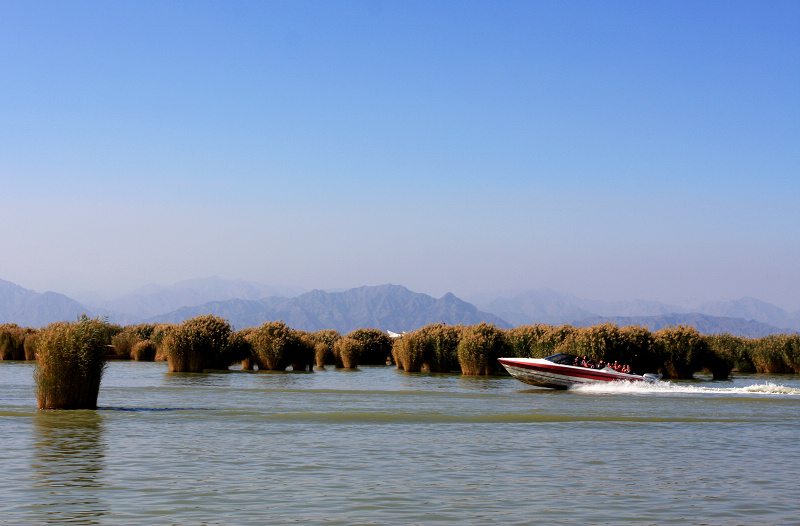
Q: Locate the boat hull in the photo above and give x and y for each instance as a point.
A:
(543, 373)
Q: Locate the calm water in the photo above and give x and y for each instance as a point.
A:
(378, 446)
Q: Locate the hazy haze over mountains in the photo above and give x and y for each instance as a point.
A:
(391, 307)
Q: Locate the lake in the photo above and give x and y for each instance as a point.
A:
(380, 446)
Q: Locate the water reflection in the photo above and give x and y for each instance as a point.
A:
(67, 464)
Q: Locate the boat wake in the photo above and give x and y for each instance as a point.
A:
(766, 388)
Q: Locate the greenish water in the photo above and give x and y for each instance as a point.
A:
(378, 446)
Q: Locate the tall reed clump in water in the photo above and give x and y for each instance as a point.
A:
(598, 342)
(12, 342)
(791, 352)
(275, 347)
(30, 344)
(682, 349)
(479, 348)
(539, 340)
(440, 347)
(200, 343)
(144, 351)
(408, 351)
(123, 343)
(159, 334)
(637, 349)
(777, 353)
(323, 350)
(725, 353)
(70, 364)
(376, 346)
(347, 352)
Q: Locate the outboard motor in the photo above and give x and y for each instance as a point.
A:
(651, 377)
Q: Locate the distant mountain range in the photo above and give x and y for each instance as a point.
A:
(391, 307)
(383, 307)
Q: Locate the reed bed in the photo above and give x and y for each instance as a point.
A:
(144, 351)
(124, 342)
(479, 348)
(682, 350)
(275, 346)
(323, 348)
(347, 352)
(13, 339)
(407, 352)
(203, 342)
(376, 346)
(70, 364)
(207, 342)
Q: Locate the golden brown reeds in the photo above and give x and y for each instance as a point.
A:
(347, 352)
(323, 350)
(682, 349)
(376, 346)
(12, 342)
(769, 354)
(123, 343)
(144, 351)
(538, 340)
(274, 346)
(408, 352)
(440, 347)
(197, 344)
(636, 348)
(70, 365)
(479, 347)
(30, 344)
(726, 353)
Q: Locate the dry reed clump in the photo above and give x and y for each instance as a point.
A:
(682, 349)
(726, 353)
(144, 351)
(598, 342)
(197, 344)
(124, 342)
(408, 351)
(323, 350)
(376, 346)
(30, 344)
(12, 342)
(637, 349)
(791, 352)
(248, 364)
(347, 352)
(70, 365)
(275, 347)
(539, 340)
(776, 353)
(304, 357)
(440, 347)
(159, 334)
(479, 348)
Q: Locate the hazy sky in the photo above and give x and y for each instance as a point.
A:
(613, 150)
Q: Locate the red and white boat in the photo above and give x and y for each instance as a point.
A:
(557, 371)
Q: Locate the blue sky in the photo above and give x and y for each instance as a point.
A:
(613, 150)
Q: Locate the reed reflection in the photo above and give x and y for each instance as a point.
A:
(68, 462)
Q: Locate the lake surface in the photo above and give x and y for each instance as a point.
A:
(379, 446)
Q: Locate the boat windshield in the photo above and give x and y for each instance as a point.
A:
(562, 358)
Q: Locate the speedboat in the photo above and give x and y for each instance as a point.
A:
(559, 372)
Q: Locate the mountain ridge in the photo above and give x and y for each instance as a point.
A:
(389, 307)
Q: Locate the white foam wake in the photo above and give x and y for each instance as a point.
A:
(664, 387)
